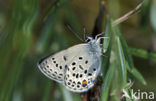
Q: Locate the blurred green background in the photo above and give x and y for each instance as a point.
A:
(32, 29)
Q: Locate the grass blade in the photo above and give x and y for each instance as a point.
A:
(143, 54)
(107, 83)
(107, 43)
(126, 51)
(123, 65)
(47, 89)
(138, 75)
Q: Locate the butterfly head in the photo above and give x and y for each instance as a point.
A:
(95, 42)
(90, 39)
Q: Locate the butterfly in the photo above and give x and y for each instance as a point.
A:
(76, 67)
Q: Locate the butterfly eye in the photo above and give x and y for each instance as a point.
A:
(87, 40)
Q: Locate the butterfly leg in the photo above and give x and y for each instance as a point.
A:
(99, 39)
(96, 37)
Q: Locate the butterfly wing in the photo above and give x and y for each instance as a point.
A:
(76, 67)
(82, 68)
(53, 66)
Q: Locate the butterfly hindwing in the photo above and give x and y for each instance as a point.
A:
(82, 69)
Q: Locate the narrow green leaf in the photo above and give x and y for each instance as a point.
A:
(128, 57)
(144, 13)
(107, 43)
(138, 75)
(122, 63)
(126, 50)
(17, 44)
(73, 22)
(107, 83)
(115, 88)
(46, 92)
(9, 81)
(50, 21)
(143, 53)
(108, 32)
(46, 33)
(56, 5)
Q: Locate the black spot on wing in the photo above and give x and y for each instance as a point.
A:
(85, 71)
(60, 67)
(81, 75)
(64, 58)
(55, 72)
(73, 68)
(61, 74)
(86, 61)
(78, 86)
(80, 67)
(73, 74)
(94, 69)
(74, 82)
(77, 75)
(72, 85)
(51, 70)
(79, 82)
(80, 58)
(70, 80)
(73, 63)
(68, 83)
(89, 74)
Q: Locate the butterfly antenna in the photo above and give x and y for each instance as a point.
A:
(74, 33)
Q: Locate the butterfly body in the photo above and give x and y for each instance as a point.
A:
(76, 67)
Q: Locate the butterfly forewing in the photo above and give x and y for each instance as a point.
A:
(54, 66)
